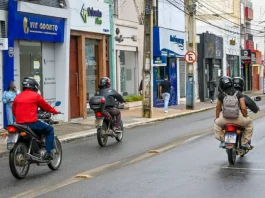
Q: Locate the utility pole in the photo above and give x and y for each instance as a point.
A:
(147, 107)
(191, 47)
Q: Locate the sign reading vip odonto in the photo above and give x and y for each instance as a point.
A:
(38, 27)
(190, 57)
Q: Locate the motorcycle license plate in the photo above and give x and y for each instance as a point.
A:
(230, 138)
(98, 123)
(11, 140)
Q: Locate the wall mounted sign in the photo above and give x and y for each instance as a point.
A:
(90, 12)
(38, 27)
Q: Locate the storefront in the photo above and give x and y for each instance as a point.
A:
(232, 63)
(89, 61)
(210, 63)
(257, 69)
(246, 69)
(37, 48)
(169, 47)
(129, 56)
(3, 46)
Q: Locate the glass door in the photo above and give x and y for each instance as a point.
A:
(31, 61)
(92, 67)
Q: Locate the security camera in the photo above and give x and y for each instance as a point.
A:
(61, 4)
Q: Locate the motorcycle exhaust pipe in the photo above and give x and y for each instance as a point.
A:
(241, 152)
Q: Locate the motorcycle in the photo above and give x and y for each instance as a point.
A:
(233, 136)
(28, 148)
(104, 122)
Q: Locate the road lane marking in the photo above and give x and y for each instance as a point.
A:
(51, 187)
(236, 168)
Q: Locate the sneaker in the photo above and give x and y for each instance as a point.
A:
(48, 157)
(165, 111)
(246, 145)
(222, 145)
(211, 101)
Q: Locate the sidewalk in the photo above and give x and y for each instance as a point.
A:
(82, 128)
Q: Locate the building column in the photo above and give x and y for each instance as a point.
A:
(118, 71)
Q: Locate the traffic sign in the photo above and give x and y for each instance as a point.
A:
(190, 57)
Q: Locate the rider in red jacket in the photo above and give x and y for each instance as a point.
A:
(25, 108)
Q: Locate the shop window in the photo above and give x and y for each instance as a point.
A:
(128, 72)
(31, 61)
(232, 66)
(92, 67)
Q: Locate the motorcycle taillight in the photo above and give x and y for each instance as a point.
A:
(98, 114)
(11, 129)
(230, 128)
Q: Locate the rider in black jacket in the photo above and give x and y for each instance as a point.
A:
(238, 83)
(110, 96)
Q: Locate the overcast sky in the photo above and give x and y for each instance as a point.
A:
(259, 15)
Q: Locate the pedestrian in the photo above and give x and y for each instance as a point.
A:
(8, 98)
(211, 85)
(165, 87)
(141, 87)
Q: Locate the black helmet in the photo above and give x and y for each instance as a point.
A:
(238, 83)
(30, 83)
(104, 83)
(225, 82)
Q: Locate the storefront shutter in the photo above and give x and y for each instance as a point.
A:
(3, 5)
(182, 78)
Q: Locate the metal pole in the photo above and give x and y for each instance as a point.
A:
(147, 107)
(191, 46)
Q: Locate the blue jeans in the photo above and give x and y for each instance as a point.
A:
(42, 128)
(9, 114)
(166, 97)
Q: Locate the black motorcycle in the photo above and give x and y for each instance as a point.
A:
(104, 121)
(27, 148)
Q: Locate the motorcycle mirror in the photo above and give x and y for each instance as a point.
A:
(257, 98)
(58, 103)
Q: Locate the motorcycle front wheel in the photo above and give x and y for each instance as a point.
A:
(102, 135)
(57, 156)
(18, 164)
(231, 153)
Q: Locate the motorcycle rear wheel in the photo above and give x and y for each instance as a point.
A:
(17, 160)
(231, 153)
(56, 163)
(102, 135)
(120, 135)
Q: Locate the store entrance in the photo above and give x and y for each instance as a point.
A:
(31, 61)
(92, 67)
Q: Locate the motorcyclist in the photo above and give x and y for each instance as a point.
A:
(110, 96)
(226, 88)
(238, 83)
(25, 107)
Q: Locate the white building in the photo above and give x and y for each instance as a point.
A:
(129, 32)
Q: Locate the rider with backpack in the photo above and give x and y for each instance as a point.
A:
(231, 108)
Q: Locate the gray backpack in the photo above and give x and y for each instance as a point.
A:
(230, 106)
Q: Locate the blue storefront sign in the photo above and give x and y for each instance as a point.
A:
(168, 46)
(37, 27)
(27, 26)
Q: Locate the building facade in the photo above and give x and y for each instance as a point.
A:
(247, 42)
(4, 46)
(169, 47)
(210, 62)
(128, 36)
(89, 52)
(37, 46)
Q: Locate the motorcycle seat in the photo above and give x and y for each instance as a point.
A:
(26, 128)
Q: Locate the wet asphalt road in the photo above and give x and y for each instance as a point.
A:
(192, 169)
